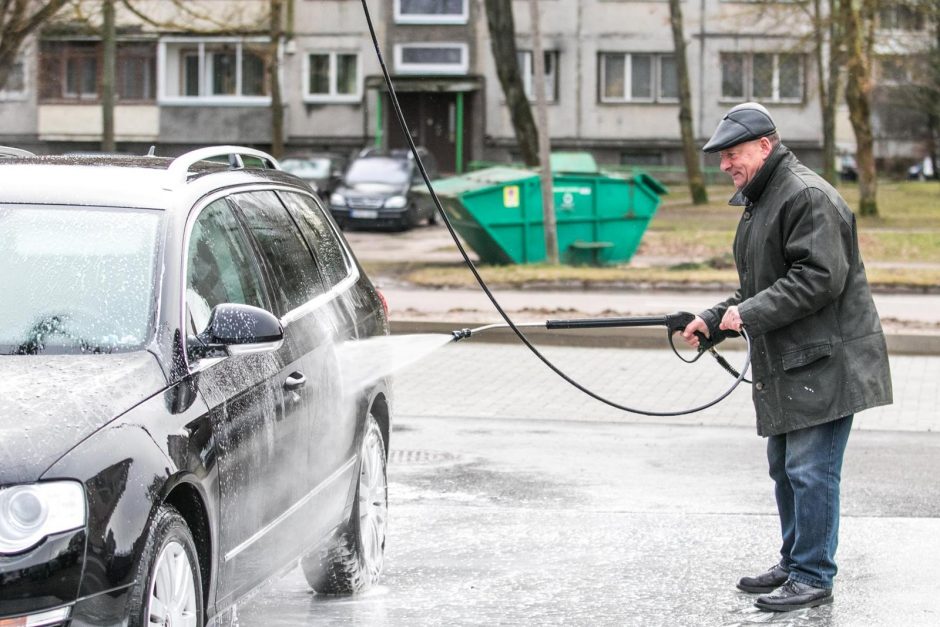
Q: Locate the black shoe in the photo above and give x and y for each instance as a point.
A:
(775, 577)
(794, 595)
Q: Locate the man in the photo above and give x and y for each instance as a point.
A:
(819, 353)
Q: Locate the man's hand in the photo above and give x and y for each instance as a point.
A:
(688, 334)
(731, 320)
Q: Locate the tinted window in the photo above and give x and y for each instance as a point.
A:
(76, 280)
(295, 276)
(379, 170)
(221, 267)
(329, 253)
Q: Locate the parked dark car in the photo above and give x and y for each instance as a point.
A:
(847, 167)
(174, 427)
(377, 191)
(323, 171)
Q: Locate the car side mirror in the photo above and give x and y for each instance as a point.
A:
(237, 329)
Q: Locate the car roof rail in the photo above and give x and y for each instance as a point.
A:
(9, 151)
(179, 168)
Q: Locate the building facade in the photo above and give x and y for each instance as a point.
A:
(610, 76)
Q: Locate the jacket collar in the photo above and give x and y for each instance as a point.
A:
(751, 192)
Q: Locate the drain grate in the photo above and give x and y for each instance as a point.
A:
(420, 457)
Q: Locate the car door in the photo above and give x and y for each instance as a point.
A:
(319, 425)
(244, 393)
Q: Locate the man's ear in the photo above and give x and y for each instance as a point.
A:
(766, 147)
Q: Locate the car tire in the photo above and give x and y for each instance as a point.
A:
(169, 555)
(353, 561)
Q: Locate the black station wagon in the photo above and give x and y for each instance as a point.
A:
(175, 428)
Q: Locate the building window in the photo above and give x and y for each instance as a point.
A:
(901, 17)
(638, 77)
(767, 77)
(431, 11)
(527, 68)
(15, 86)
(333, 77)
(71, 71)
(437, 58)
(135, 74)
(220, 70)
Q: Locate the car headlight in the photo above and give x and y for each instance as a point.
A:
(29, 513)
(337, 199)
(396, 202)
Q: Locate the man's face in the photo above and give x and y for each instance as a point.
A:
(744, 160)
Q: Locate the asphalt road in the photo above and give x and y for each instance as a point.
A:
(505, 512)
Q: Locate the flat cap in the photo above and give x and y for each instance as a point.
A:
(743, 123)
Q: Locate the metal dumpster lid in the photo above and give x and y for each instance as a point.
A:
(472, 181)
(574, 162)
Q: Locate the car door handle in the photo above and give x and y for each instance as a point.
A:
(294, 381)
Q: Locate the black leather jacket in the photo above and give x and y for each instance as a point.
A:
(819, 351)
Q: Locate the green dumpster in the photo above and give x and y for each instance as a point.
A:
(600, 218)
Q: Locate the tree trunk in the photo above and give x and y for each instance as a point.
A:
(855, 20)
(109, 62)
(274, 76)
(545, 149)
(827, 86)
(689, 149)
(502, 29)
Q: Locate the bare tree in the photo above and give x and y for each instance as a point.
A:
(276, 28)
(858, 20)
(689, 149)
(499, 19)
(545, 149)
(18, 20)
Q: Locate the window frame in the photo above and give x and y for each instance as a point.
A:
(655, 97)
(527, 70)
(333, 96)
(432, 18)
(442, 69)
(748, 77)
(205, 97)
(15, 95)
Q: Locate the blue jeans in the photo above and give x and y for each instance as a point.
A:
(806, 466)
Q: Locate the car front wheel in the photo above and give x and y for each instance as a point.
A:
(353, 562)
(168, 590)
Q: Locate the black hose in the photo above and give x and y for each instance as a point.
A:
(486, 290)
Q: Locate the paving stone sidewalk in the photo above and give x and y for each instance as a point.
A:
(506, 381)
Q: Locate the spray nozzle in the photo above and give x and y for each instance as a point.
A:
(460, 334)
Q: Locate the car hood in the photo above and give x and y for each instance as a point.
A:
(374, 189)
(48, 404)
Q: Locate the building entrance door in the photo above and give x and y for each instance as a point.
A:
(436, 121)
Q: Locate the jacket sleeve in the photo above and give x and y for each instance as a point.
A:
(817, 253)
(713, 316)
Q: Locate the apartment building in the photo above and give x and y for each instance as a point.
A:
(610, 73)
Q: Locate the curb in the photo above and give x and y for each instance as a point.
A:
(652, 337)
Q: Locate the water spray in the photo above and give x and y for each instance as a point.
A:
(673, 322)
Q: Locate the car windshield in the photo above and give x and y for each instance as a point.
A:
(379, 170)
(76, 279)
(307, 168)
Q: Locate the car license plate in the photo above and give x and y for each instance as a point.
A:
(364, 214)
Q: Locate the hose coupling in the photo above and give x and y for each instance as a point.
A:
(460, 334)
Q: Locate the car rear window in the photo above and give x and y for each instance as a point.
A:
(296, 278)
(329, 252)
(77, 279)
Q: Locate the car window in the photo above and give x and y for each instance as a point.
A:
(317, 168)
(296, 278)
(327, 249)
(76, 279)
(220, 266)
(385, 170)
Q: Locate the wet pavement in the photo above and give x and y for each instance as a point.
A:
(505, 511)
